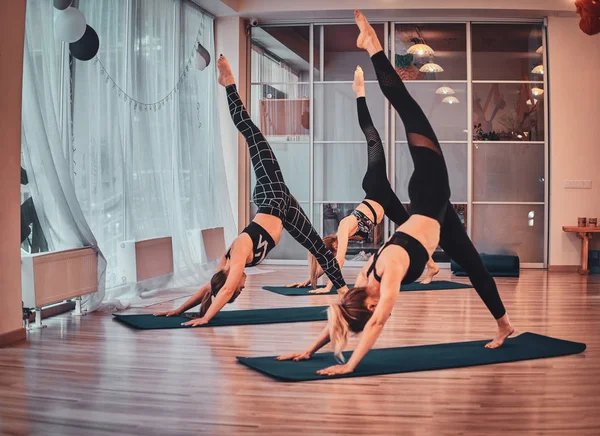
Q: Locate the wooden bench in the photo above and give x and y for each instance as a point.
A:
(585, 234)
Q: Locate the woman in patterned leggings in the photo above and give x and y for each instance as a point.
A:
(278, 209)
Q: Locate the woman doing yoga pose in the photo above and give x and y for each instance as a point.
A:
(379, 200)
(278, 209)
(401, 260)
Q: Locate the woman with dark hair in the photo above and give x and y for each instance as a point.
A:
(380, 200)
(403, 257)
(278, 209)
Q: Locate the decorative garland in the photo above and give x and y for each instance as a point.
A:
(159, 104)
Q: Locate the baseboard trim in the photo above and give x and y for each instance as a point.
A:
(10, 338)
(563, 268)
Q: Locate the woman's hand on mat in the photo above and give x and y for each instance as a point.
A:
(196, 322)
(325, 290)
(296, 357)
(299, 284)
(336, 370)
(175, 312)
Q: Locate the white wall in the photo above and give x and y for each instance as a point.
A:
(574, 65)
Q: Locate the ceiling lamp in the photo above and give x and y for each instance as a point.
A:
(538, 70)
(420, 50)
(537, 92)
(450, 100)
(529, 103)
(445, 90)
(540, 50)
(431, 67)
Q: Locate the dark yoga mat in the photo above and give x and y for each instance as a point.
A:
(228, 318)
(419, 358)
(436, 285)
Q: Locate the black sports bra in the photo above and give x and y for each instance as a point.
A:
(262, 243)
(365, 224)
(417, 254)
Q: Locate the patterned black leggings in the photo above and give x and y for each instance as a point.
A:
(272, 196)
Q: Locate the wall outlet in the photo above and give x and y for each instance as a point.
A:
(578, 184)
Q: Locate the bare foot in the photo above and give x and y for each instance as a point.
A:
(432, 270)
(368, 38)
(505, 329)
(225, 75)
(359, 82)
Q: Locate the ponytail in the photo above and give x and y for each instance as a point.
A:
(315, 269)
(350, 314)
(205, 303)
(338, 330)
(216, 283)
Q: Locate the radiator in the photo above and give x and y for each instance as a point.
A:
(153, 258)
(49, 278)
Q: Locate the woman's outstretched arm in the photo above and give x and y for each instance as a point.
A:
(392, 277)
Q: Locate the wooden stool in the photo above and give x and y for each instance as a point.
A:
(585, 234)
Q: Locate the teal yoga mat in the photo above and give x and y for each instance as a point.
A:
(228, 318)
(419, 358)
(436, 285)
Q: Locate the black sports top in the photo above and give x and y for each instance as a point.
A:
(365, 224)
(262, 243)
(416, 252)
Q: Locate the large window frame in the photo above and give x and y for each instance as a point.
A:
(316, 42)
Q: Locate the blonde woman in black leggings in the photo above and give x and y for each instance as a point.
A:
(367, 307)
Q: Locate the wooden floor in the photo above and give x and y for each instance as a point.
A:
(91, 375)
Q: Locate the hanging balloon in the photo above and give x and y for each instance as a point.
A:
(69, 25)
(201, 57)
(62, 4)
(87, 47)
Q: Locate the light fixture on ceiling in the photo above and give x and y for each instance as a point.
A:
(420, 50)
(540, 49)
(445, 90)
(450, 100)
(530, 103)
(431, 67)
(537, 92)
(539, 69)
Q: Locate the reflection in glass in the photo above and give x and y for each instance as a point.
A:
(508, 112)
(431, 51)
(338, 171)
(281, 111)
(507, 229)
(506, 51)
(508, 172)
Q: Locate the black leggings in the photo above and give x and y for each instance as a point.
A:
(429, 186)
(272, 196)
(375, 183)
(431, 179)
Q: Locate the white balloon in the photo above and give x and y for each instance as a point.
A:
(69, 25)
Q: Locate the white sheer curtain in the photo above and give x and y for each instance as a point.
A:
(142, 174)
(45, 139)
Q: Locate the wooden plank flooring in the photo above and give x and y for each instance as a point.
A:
(92, 375)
